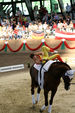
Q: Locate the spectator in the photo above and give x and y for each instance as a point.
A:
(40, 26)
(45, 25)
(35, 26)
(64, 25)
(42, 12)
(59, 25)
(45, 18)
(71, 26)
(15, 33)
(68, 9)
(48, 31)
(54, 25)
(36, 12)
(18, 13)
(30, 27)
(56, 17)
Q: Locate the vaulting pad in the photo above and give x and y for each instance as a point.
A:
(43, 70)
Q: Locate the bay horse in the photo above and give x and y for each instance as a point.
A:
(52, 78)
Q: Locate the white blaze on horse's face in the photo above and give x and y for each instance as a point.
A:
(70, 73)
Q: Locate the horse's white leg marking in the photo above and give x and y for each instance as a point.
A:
(42, 78)
(43, 108)
(49, 109)
(38, 97)
(33, 99)
(39, 77)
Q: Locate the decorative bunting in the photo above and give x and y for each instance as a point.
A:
(43, 42)
(63, 43)
(6, 46)
(63, 46)
(15, 50)
(23, 46)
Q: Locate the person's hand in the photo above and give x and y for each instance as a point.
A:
(54, 52)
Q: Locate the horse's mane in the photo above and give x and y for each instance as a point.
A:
(58, 67)
(60, 64)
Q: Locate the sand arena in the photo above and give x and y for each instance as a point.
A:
(15, 94)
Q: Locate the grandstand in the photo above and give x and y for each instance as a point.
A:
(26, 7)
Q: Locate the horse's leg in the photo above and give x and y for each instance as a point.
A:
(46, 101)
(51, 100)
(32, 93)
(38, 94)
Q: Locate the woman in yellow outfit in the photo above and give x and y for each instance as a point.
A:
(44, 55)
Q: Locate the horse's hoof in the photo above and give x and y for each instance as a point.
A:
(33, 107)
(36, 102)
(41, 111)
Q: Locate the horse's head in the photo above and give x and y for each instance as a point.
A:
(68, 76)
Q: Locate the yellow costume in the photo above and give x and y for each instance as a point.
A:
(46, 56)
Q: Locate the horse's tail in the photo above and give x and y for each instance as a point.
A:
(28, 65)
(31, 72)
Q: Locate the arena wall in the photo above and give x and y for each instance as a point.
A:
(33, 43)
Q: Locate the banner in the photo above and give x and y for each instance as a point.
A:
(64, 35)
(37, 35)
(11, 68)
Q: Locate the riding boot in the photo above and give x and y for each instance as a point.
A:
(59, 58)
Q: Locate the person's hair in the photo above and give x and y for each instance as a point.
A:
(32, 55)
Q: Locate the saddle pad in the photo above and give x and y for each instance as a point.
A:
(48, 64)
(44, 69)
(37, 66)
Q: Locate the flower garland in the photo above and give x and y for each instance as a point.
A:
(14, 50)
(62, 44)
(2, 47)
(55, 47)
(68, 46)
(34, 48)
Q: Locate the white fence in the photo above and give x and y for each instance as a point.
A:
(11, 68)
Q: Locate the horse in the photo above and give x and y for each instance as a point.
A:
(52, 78)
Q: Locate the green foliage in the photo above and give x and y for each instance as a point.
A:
(1, 0)
(54, 2)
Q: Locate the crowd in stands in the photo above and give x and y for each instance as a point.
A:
(19, 27)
